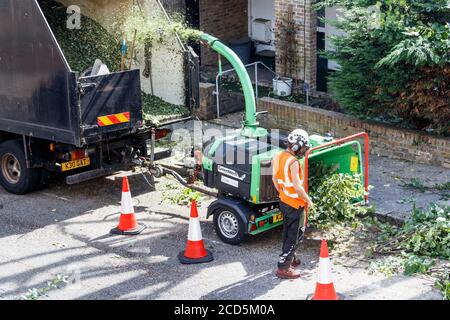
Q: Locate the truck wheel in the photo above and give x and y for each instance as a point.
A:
(15, 177)
(229, 226)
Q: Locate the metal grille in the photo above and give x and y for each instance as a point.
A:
(267, 191)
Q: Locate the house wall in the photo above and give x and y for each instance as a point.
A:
(306, 25)
(168, 72)
(230, 20)
(224, 19)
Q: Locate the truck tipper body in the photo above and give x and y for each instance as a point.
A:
(54, 119)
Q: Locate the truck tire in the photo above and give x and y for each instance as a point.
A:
(15, 177)
(229, 226)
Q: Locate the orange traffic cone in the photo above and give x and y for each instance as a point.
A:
(195, 250)
(128, 225)
(325, 288)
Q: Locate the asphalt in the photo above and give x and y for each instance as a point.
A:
(65, 231)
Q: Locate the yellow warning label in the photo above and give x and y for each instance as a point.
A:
(354, 164)
(278, 218)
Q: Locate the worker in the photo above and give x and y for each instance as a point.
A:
(287, 177)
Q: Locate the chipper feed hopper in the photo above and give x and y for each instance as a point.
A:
(239, 166)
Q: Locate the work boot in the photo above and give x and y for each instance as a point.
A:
(288, 274)
(296, 262)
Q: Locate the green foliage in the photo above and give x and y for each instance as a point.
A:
(422, 241)
(443, 285)
(55, 283)
(417, 184)
(389, 266)
(428, 232)
(407, 264)
(425, 233)
(185, 197)
(395, 64)
(441, 189)
(81, 47)
(334, 195)
(157, 110)
(443, 186)
(444, 190)
(416, 264)
(152, 29)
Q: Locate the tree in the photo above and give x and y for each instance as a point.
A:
(397, 66)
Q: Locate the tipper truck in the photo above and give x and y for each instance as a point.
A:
(55, 119)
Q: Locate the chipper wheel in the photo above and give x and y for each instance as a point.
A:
(229, 226)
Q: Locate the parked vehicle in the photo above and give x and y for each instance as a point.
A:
(54, 120)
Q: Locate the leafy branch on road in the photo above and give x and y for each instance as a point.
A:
(420, 246)
(55, 283)
(425, 233)
(443, 284)
(443, 189)
(175, 194)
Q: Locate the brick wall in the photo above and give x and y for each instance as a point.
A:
(224, 19)
(306, 26)
(385, 140)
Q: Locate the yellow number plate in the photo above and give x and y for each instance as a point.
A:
(277, 218)
(71, 165)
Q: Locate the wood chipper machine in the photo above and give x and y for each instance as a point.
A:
(239, 166)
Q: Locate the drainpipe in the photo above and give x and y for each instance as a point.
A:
(251, 125)
(304, 41)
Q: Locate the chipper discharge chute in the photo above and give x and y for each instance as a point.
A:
(239, 166)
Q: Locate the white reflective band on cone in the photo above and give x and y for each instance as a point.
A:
(127, 203)
(324, 271)
(195, 232)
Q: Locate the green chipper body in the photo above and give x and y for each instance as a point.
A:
(239, 166)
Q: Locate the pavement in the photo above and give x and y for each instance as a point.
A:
(64, 230)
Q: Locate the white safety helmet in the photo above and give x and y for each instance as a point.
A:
(298, 139)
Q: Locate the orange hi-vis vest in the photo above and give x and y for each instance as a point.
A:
(288, 194)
